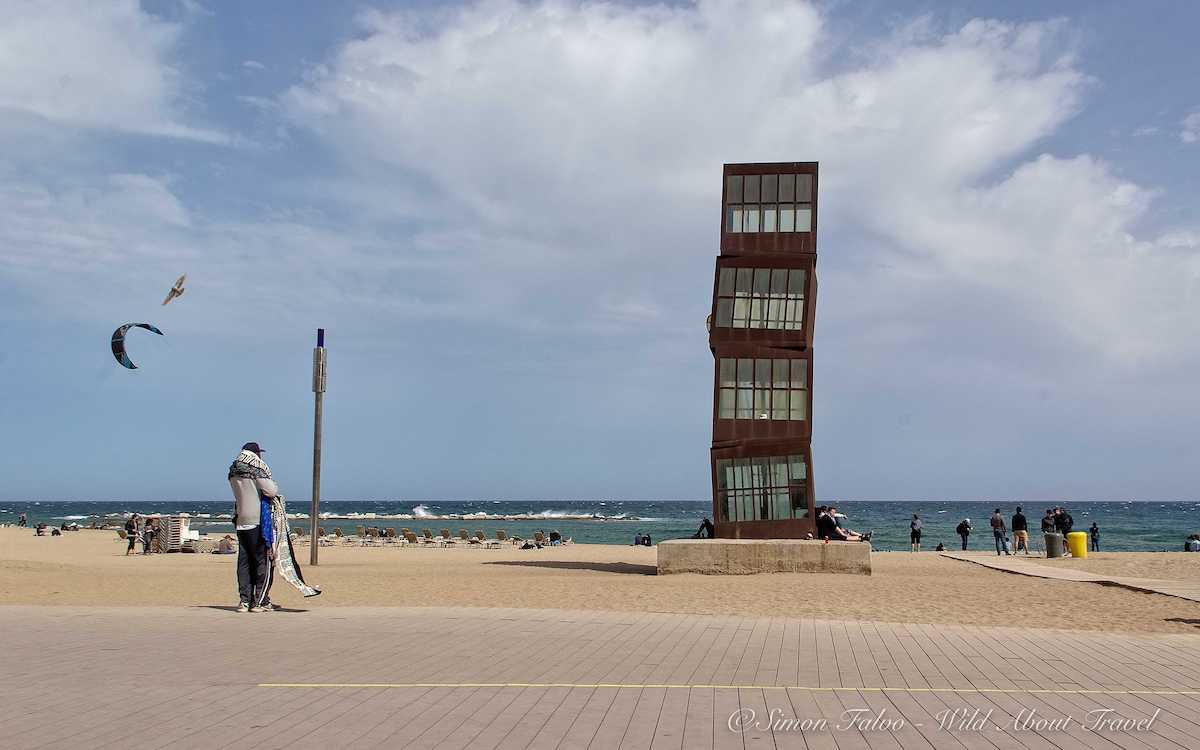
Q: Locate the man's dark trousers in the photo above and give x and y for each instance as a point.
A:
(253, 568)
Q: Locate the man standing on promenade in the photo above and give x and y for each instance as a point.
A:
(1020, 530)
(253, 489)
(999, 531)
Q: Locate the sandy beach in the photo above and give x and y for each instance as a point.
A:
(89, 568)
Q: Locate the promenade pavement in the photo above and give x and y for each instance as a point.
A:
(207, 677)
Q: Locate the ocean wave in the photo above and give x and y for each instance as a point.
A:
(422, 511)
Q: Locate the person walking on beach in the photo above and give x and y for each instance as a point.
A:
(914, 533)
(253, 490)
(1000, 532)
(1020, 531)
(1094, 535)
(964, 530)
(22, 520)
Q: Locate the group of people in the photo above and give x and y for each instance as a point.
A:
(1056, 520)
(642, 540)
(830, 527)
(143, 529)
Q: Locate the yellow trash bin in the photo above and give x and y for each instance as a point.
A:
(1077, 542)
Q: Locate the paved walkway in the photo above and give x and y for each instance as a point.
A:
(505, 678)
(1026, 566)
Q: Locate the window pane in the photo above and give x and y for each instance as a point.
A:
(793, 313)
(800, 373)
(745, 277)
(780, 505)
(779, 404)
(731, 224)
(799, 493)
(758, 313)
(775, 313)
(804, 219)
(781, 374)
(741, 312)
(726, 409)
(762, 405)
(762, 281)
(745, 372)
(798, 468)
(751, 218)
(733, 189)
(796, 282)
(787, 188)
(779, 279)
(745, 404)
(770, 189)
(728, 372)
(745, 513)
(803, 188)
(725, 312)
(763, 506)
(722, 474)
(735, 221)
(787, 218)
(742, 480)
(730, 508)
(725, 287)
(779, 472)
(768, 218)
(762, 373)
(751, 189)
(798, 402)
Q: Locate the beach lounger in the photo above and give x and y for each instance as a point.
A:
(428, 538)
(446, 538)
(502, 536)
(411, 538)
(540, 538)
(485, 541)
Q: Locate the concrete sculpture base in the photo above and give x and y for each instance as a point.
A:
(745, 556)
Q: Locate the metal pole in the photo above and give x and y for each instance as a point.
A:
(319, 394)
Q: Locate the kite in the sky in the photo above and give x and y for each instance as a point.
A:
(118, 342)
(177, 290)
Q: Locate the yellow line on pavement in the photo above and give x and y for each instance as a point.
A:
(670, 686)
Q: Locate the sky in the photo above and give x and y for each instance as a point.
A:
(506, 217)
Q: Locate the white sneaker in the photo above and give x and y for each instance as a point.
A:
(264, 608)
(243, 607)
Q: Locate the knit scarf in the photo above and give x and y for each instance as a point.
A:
(249, 466)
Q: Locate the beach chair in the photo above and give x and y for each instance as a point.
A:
(411, 538)
(502, 536)
(540, 538)
(446, 538)
(427, 537)
(338, 536)
(485, 541)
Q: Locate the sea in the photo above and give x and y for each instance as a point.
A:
(1125, 525)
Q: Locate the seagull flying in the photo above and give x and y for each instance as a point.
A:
(177, 290)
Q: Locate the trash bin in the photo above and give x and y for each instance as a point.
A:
(1077, 542)
(1054, 544)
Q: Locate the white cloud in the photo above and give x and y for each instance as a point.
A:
(1191, 128)
(253, 65)
(1146, 130)
(587, 137)
(94, 65)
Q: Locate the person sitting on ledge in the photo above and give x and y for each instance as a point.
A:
(847, 534)
(827, 528)
(706, 530)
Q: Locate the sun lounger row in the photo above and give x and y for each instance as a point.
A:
(390, 537)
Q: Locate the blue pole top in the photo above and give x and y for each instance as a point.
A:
(320, 337)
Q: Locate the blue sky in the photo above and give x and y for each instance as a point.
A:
(505, 215)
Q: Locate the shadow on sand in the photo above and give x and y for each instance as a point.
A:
(1184, 620)
(617, 567)
(233, 608)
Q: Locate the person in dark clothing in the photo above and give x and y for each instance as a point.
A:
(647, 541)
(826, 528)
(131, 533)
(1094, 535)
(22, 520)
(707, 530)
(1020, 531)
(914, 533)
(964, 530)
(1048, 521)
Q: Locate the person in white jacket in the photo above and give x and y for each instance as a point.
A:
(253, 489)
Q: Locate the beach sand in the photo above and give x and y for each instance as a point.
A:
(89, 568)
